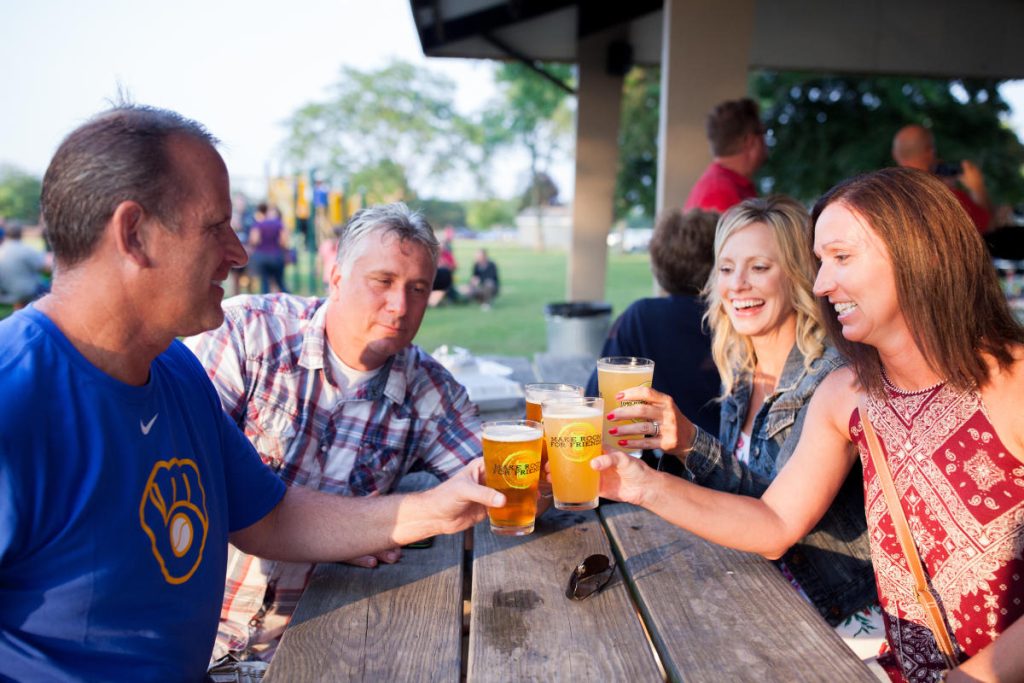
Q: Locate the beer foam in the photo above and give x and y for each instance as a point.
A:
(512, 433)
(571, 411)
(541, 395)
(627, 369)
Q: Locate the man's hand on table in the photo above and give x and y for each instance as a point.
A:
(389, 556)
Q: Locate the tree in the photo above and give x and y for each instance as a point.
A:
(542, 191)
(824, 128)
(381, 182)
(535, 113)
(393, 128)
(19, 194)
(440, 212)
(488, 213)
(636, 182)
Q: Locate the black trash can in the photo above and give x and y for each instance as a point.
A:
(577, 327)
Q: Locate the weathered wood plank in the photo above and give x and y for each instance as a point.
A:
(717, 614)
(399, 622)
(522, 626)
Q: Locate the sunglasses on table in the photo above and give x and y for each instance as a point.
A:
(589, 576)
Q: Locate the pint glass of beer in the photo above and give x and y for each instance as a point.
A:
(572, 429)
(615, 374)
(536, 394)
(512, 461)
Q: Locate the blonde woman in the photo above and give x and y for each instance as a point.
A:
(768, 344)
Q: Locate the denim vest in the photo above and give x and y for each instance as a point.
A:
(833, 562)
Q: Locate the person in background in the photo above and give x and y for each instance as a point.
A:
(736, 135)
(768, 341)
(327, 255)
(444, 281)
(121, 478)
(242, 218)
(334, 396)
(269, 244)
(483, 284)
(937, 367)
(669, 330)
(21, 269)
(913, 146)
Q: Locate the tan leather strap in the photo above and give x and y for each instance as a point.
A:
(932, 611)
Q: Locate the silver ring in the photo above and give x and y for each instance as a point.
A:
(657, 428)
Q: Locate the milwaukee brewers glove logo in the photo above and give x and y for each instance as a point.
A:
(173, 515)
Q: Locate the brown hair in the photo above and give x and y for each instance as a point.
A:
(946, 286)
(730, 122)
(117, 156)
(683, 249)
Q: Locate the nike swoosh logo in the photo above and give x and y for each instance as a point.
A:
(146, 426)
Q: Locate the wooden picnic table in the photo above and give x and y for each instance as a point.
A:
(480, 607)
(483, 608)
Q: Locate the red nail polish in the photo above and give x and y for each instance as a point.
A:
(613, 430)
(610, 416)
(622, 442)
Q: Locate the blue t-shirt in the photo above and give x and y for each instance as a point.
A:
(115, 507)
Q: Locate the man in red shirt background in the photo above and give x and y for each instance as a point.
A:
(913, 146)
(736, 135)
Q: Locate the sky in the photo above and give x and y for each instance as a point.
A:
(239, 67)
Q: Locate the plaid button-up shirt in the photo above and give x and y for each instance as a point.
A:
(268, 364)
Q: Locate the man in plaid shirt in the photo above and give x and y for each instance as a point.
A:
(334, 396)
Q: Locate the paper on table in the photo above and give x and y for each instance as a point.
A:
(485, 381)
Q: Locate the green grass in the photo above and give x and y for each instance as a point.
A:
(529, 280)
(515, 325)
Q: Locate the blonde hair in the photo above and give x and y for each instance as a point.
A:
(790, 224)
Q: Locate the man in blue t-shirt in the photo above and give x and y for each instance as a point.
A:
(121, 480)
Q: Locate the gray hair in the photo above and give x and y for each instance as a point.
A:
(395, 219)
(119, 155)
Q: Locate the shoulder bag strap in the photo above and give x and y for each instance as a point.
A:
(932, 611)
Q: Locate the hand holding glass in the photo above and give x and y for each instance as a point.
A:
(572, 428)
(614, 375)
(512, 462)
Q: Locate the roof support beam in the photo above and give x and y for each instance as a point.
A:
(528, 62)
(598, 112)
(438, 32)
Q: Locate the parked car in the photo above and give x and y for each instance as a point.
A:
(631, 240)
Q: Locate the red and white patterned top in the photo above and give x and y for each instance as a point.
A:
(963, 496)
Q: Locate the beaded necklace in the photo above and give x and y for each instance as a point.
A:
(903, 392)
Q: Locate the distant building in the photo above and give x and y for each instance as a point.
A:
(553, 230)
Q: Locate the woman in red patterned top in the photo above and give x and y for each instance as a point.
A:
(911, 299)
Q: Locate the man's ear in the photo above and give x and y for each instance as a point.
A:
(129, 232)
(333, 279)
(751, 141)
